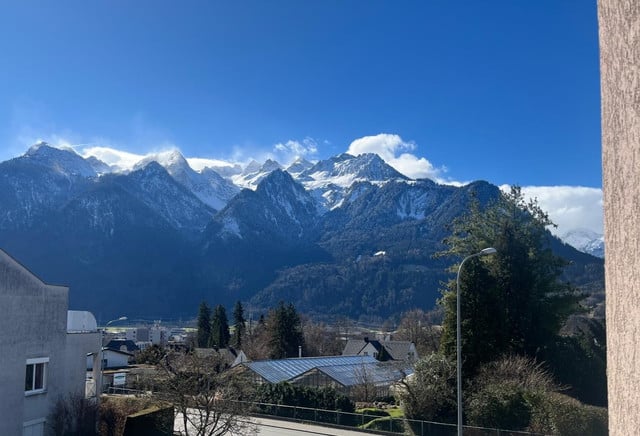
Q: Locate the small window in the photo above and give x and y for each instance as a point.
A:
(35, 380)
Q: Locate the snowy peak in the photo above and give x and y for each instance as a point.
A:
(158, 190)
(278, 210)
(299, 166)
(172, 160)
(279, 186)
(208, 186)
(329, 179)
(98, 166)
(65, 162)
(269, 166)
(345, 169)
(254, 173)
(585, 240)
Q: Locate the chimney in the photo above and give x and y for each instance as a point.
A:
(299, 350)
(366, 339)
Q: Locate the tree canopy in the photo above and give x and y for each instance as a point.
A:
(285, 331)
(204, 325)
(239, 325)
(219, 328)
(512, 302)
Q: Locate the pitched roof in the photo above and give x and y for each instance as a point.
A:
(375, 372)
(397, 350)
(128, 344)
(353, 347)
(275, 371)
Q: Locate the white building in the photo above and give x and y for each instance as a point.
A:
(43, 349)
(137, 334)
(158, 335)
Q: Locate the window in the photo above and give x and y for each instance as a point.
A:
(35, 380)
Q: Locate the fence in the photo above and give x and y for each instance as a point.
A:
(377, 423)
(368, 422)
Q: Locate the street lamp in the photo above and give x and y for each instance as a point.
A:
(485, 252)
(122, 318)
(104, 329)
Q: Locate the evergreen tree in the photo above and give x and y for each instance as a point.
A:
(219, 328)
(204, 325)
(512, 302)
(285, 332)
(239, 325)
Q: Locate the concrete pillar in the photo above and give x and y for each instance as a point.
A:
(619, 28)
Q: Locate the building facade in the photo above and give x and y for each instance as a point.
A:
(619, 31)
(43, 349)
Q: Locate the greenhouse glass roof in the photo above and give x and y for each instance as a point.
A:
(275, 371)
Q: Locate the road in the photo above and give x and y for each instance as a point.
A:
(275, 427)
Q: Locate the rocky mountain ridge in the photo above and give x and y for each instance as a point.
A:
(161, 236)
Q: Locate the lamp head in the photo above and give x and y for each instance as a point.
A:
(488, 251)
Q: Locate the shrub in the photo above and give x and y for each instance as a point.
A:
(501, 405)
(302, 396)
(429, 394)
(556, 413)
(114, 412)
(504, 391)
(393, 425)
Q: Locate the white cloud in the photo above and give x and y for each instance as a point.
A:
(287, 152)
(396, 152)
(121, 159)
(198, 163)
(570, 207)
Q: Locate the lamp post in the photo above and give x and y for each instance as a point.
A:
(485, 252)
(104, 329)
(122, 318)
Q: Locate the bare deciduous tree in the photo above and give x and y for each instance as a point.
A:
(420, 328)
(207, 401)
(320, 339)
(73, 415)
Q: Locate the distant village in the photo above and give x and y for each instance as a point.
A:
(67, 355)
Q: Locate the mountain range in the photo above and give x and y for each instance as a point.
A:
(156, 239)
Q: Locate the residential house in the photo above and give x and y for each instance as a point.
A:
(404, 351)
(43, 349)
(122, 345)
(230, 356)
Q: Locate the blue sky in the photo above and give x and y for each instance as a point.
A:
(506, 91)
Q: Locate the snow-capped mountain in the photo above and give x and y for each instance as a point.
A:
(585, 240)
(254, 173)
(98, 166)
(207, 185)
(41, 180)
(162, 228)
(153, 185)
(299, 166)
(329, 179)
(64, 162)
(278, 210)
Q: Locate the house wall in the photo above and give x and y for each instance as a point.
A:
(77, 347)
(369, 350)
(33, 324)
(115, 360)
(619, 28)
